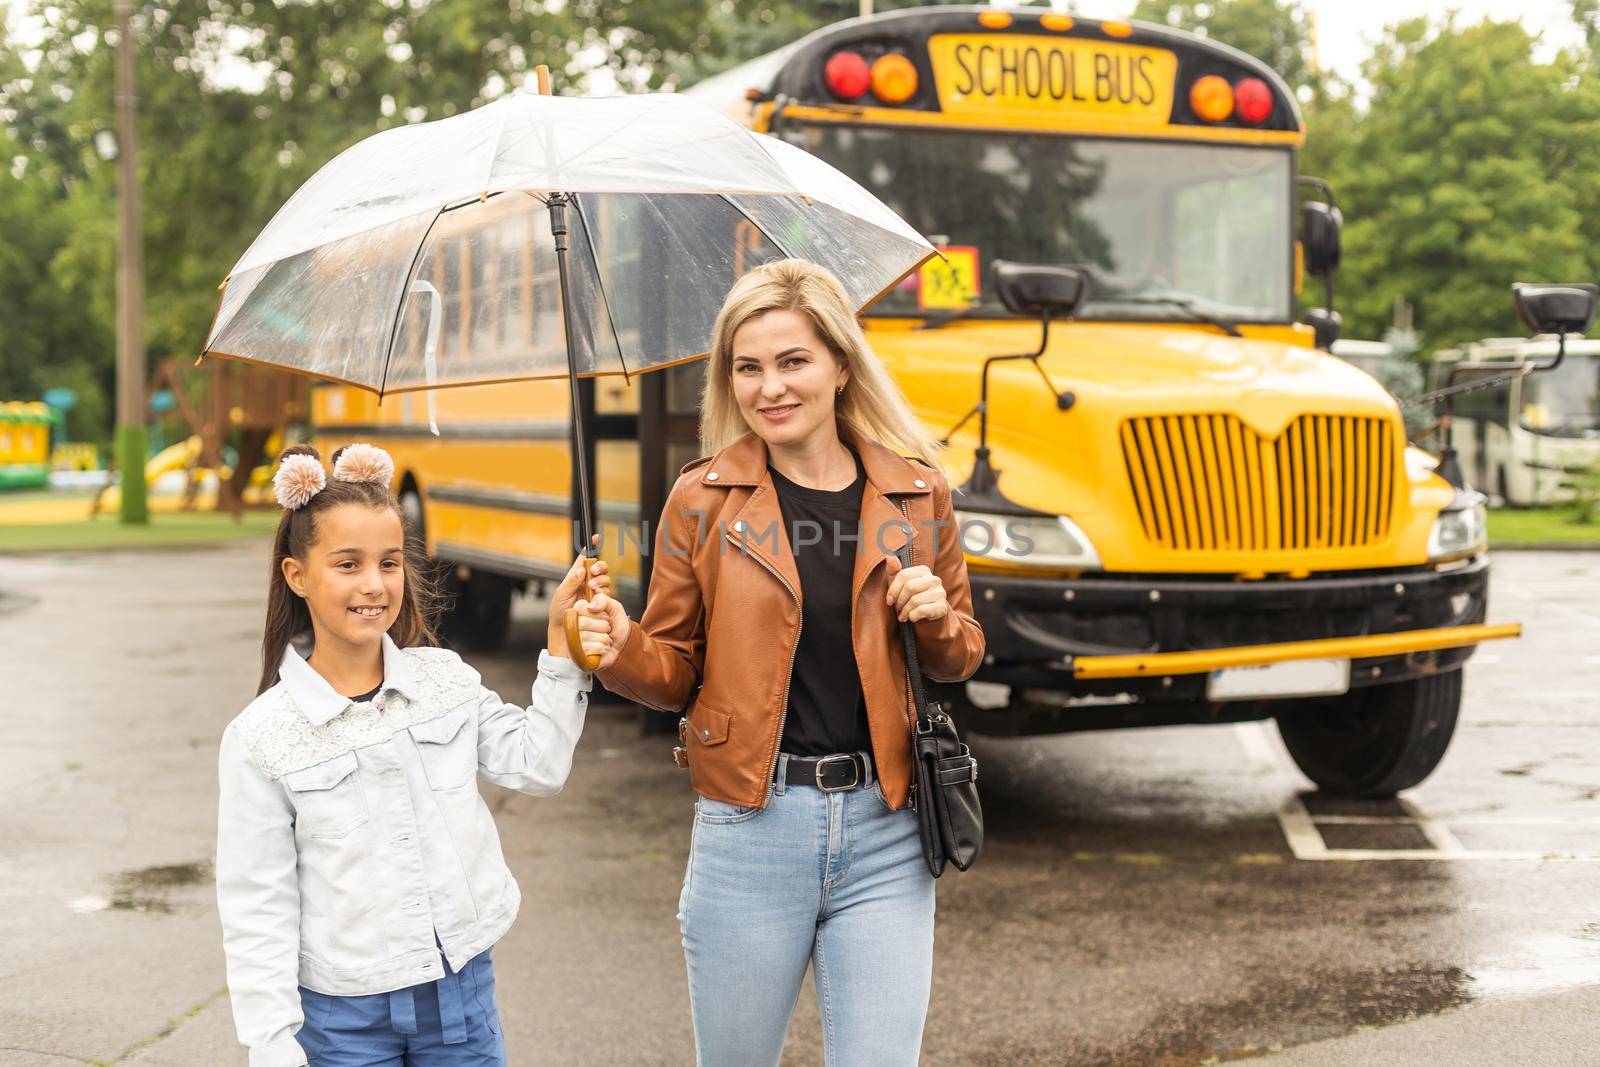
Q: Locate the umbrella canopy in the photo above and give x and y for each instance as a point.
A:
(423, 256)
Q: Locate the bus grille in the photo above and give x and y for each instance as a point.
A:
(1211, 483)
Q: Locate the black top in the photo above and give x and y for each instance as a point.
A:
(827, 710)
(375, 690)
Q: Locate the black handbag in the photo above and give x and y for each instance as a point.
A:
(944, 787)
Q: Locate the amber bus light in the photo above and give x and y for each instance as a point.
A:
(894, 79)
(1211, 98)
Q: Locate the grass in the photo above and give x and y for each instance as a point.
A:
(164, 531)
(1507, 526)
(1526, 526)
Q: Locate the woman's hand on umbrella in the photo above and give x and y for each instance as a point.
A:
(605, 614)
(571, 594)
(916, 593)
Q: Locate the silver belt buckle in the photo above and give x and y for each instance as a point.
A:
(824, 761)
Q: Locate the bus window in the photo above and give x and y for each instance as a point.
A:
(1564, 402)
(1486, 405)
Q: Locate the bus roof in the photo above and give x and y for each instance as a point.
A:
(1350, 346)
(1516, 348)
(794, 72)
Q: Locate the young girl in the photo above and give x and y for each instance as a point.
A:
(359, 874)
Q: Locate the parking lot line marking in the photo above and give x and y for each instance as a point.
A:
(1437, 833)
(1362, 855)
(1461, 820)
(1306, 841)
(1301, 833)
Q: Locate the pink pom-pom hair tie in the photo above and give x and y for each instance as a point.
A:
(298, 478)
(364, 463)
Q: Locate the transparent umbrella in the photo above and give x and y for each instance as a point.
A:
(541, 237)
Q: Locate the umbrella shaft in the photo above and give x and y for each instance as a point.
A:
(580, 461)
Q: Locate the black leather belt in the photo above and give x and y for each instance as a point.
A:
(831, 774)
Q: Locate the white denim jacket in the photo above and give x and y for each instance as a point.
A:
(350, 834)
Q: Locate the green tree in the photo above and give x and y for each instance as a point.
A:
(241, 100)
(1470, 166)
(1277, 32)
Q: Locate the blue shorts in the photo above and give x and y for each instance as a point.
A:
(452, 1022)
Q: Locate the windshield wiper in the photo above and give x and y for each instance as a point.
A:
(944, 317)
(1182, 303)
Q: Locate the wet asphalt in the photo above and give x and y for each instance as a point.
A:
(1141, 900)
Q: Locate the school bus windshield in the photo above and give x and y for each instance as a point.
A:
(1201, 224)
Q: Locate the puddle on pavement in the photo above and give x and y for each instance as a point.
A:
(149, 889)
(11, 603)
(1547, 964)
(1278, 1015)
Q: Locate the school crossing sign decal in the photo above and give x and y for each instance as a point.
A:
(951, 282)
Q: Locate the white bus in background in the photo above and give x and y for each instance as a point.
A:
(1370, 356)
(1402, 375)
(1528, 440)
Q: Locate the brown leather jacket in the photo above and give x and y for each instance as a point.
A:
(724, 613)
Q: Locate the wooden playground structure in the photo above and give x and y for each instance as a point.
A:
(221, 398)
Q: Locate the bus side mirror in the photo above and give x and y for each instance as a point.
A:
(1039, 289)
(1326, 324)
(1320, 228)
(1558, 309)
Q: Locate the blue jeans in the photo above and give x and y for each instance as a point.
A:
(835, 880)
(452, 1022)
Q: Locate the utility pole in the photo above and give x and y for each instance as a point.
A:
(131, 432)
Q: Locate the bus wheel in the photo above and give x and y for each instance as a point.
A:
(1376, 741)
(411, 511)
(478, 613)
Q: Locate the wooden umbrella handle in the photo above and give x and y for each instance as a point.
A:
(575, 642)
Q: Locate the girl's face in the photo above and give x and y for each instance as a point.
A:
(784, 377)
(353, 577)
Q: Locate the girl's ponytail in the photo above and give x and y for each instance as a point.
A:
(287, 614)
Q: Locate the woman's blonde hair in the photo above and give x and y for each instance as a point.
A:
(871, 403)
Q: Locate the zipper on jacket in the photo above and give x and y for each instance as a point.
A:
(788, 679)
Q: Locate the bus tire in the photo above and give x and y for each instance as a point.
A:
(477, 614)
(1374, 741)
(411, 511)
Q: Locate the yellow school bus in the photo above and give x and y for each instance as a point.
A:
(1223, 523)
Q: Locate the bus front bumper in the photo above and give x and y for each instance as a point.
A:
(1103, 652)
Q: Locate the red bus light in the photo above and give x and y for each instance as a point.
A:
(1253, 99)
(847, 75)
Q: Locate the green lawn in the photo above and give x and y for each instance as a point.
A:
(1523, 526)
(184, 528)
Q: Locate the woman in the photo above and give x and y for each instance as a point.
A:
(774, 615)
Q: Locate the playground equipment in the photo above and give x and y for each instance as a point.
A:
(256, 404)
(24, 444)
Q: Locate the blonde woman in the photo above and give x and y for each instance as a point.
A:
(773, 618)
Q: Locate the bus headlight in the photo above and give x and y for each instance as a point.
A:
(1052, 541)
(1461, 530)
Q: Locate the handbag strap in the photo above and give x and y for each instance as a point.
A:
(908, 636)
